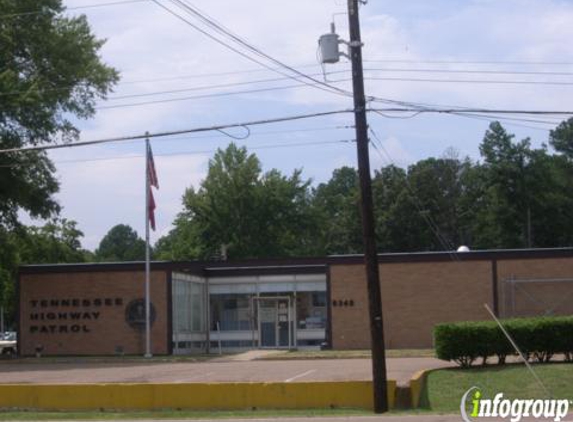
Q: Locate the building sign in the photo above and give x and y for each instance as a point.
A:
(135, 314)
(68, 316)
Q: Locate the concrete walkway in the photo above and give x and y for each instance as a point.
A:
(247, 356)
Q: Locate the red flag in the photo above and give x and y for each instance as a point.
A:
(151, 206)
(152, 180)
(151, 169)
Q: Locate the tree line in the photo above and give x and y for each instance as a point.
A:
(516, 196)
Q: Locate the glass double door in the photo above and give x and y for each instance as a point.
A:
(275, 325)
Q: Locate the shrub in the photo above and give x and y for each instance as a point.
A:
(538, 338)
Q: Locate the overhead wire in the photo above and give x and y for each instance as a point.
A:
(489, 118)
(213, 95)
(509, 123)
(206, 87)
(187, 153)
(176, 138)
(173, 78)
(476, 110)
(469, 81)
(177, 132)
(468, 71)
(477, 62)
(277, 120)
(250, 71)
(267, 132)
(219, 28)
(87, 6)
(446, 244)
(194, 10)
(462, 113)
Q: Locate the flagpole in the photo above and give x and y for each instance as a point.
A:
(147, 275)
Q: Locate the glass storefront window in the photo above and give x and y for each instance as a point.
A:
(311, 310)
(188, 306)
(233, 312)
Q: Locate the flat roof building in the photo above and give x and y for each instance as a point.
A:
(202, 306)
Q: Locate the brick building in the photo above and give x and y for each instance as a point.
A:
(97, 309)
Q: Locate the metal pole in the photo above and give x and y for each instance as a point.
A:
(370, 252)
(147, 266)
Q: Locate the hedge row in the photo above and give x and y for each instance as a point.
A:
(538, 339)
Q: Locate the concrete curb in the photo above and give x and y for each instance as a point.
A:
(417, 383)
(193, 396)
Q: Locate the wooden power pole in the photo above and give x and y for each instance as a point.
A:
(370, 252)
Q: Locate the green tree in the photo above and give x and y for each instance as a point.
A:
(50, 74)
(421, 209)
(121, 243)
(58, 241)
(240, 212)
(561, 138)
(337, 203)
(504, 222)
(398, 223)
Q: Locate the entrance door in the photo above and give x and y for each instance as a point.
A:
(284, 323)
(268, 322)
(275, 322)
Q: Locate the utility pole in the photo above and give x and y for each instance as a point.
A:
(329, 51)
(370, 252)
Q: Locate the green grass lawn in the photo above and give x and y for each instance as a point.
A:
(445, 387)
(171, 414)
(347, 354)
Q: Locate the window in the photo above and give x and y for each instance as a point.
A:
(319, 299)
(232, 311)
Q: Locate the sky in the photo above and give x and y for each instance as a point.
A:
(406, 44)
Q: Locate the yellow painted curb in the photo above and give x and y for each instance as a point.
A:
(355, 394)
(417, 386)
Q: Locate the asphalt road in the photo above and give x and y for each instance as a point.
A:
(381, 418)
(400, 369)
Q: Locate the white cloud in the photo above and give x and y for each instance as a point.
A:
(101, 194)
(145, 42)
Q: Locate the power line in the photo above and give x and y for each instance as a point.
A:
(221, 29)
(517, 119)
(177, 132)
(270, 132)
(88, 6)
(186, 6)
(429, 106)
(478, 62)
(466, 71)
(433, 226)
(205, 87)
(172, 78)
(233, 84)
(462, 113)
(188, 153)
(509, 123)
(470, 81)
(215, 95)
(475, 110)
(251, 134)
(209, 75)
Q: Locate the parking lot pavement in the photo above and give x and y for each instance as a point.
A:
(399, 369)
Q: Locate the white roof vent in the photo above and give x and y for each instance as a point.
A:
(463, 248)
